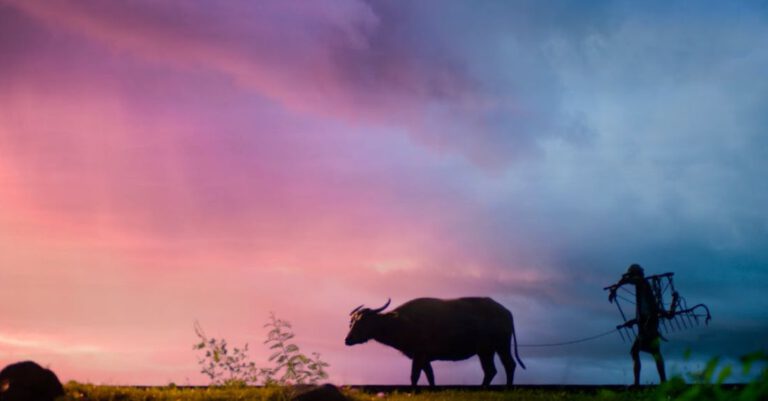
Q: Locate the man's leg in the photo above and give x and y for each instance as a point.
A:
(635, 352)
(656, 352)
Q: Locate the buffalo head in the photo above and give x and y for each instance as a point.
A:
(363, 324)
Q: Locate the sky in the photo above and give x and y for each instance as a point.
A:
(163, 163)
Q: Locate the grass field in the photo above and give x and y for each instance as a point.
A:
(672, 392)
(707, 387)
(107, 393)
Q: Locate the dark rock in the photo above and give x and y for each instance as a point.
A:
(326, 392)
(28, 381)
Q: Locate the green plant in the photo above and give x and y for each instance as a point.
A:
(227, 366)
(222, 365)
(291, 366)
(708, 382)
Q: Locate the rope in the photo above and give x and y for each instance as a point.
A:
(628, 291)
(625, 299)
(581, 340)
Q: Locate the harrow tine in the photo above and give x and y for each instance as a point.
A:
(690, 321)
(686, 321)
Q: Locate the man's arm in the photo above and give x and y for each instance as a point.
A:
(613, 288)
(628, 323)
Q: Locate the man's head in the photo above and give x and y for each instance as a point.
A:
(635, 271)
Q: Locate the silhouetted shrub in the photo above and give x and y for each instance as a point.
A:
(28, 381)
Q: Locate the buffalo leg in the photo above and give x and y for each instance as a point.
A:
(486, 361)
(421, 363)
(429, 373)
(505, 355)
(415, 372)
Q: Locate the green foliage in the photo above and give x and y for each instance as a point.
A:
(227, 366)
(291, 366)
(708, 384)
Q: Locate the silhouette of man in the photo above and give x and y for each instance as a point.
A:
(646, 318)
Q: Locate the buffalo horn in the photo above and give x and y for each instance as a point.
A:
(383, 307)
(355, 310)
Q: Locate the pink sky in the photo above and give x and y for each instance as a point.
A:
(166, 163)
(155, 173)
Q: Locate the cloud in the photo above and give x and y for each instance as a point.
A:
(42, 344)
(369, 64)
(309, 159)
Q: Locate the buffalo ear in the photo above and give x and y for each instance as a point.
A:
(4, 385)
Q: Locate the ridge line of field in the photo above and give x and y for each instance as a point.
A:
(388, 388)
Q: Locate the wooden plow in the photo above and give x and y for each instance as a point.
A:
(674, 312)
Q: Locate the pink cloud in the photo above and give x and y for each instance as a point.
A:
(252, 44)
(341, 61)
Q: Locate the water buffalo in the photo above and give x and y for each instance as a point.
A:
(429, 329)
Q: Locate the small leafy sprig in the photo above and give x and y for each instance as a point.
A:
(291, 366)
(222, 365)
